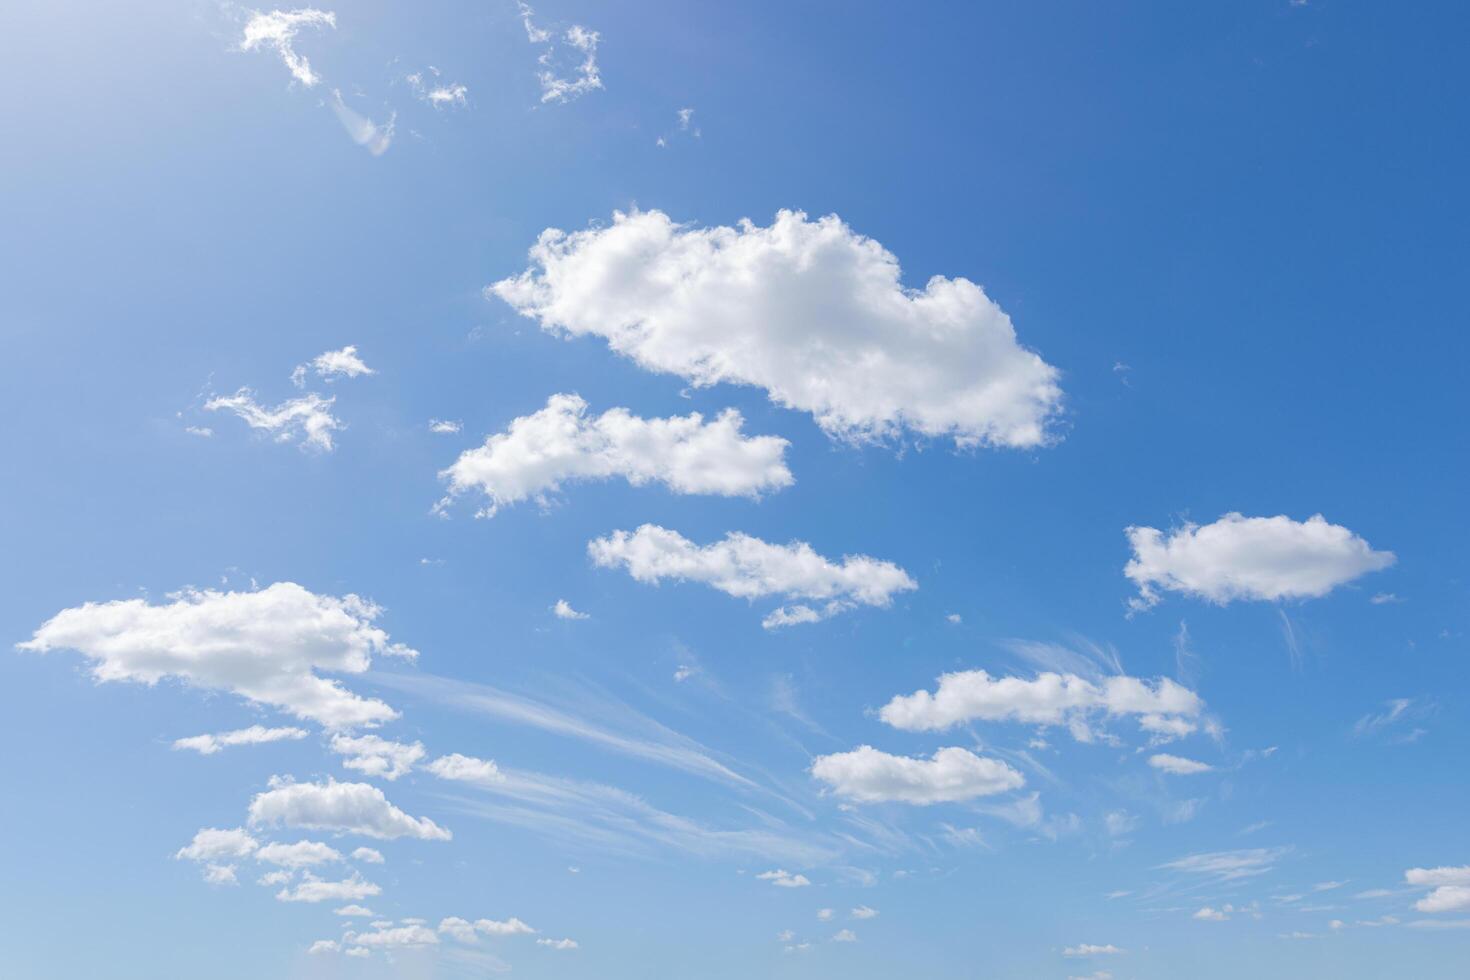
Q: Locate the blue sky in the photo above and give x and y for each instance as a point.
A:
(631, 665)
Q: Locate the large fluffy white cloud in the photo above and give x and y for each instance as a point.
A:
(1164, 709)
(1450, 888)
(308, 419)
(348, 808)
(562, 443)
(266, 646)
(376, 756)
(870, 776)
(749, 568)
(277, 30)
(254, 735)
(810, 311)
(1240, 557)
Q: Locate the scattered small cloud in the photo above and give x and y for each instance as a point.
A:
(564, 610)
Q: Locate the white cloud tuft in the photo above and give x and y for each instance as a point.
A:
(278, 29)
(254, 735)
(368, 855)
(1451, 888)
(1178, 765)
(212, 844)
(564, 610)
(749, 568)
(1092, 949)
(870, 776)
(465, 768)
(308, 419)
(354, 911)
(348, 808)
(333, 364)
(562, 443)
(782, 878)
(265, 646)
(302, 854)
(808, 310)
(445, 426)
(412, 934)
(558, 943)
(1164, 709)
(374, 756)
(1264, 558)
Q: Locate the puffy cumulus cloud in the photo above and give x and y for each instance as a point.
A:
(254, 735)
(1266, 558)
(1451, 888)
(808, 310)
(1178, 765)
(313, 889)
(1164, 709)
(564, 610)
(1091, 949)
(324, 946)
(466, 931)
(782, 878)
(214, 845)
(1210, 914)
(277, 31)
(374, 756)
(307, 420)
(368, 855)
(302, 854)
(446, 427)
(749, 568)
(863, 912)
(265, 646)
(465, 769)
(347, 808)
(412, 934)
(558, 943)
(333, 364)
(870, 776)
(563, 443)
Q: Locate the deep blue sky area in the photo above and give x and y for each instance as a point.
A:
(1231, 235)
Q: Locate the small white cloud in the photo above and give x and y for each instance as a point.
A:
(254, 735)
(212, 844)
(313, 889)
(1092, 949)
(379, 757)
(1385, 599)
(277, 31)
(1208, 914)
(202, 431)
(307, 420)
(354, 911)
(410, 934)
(825, 915)
(954, 619)
(1261, 558)
(349, 808)
(324, 946)
(1178, 765)
(782, 878)
(749, 568)
(1451, 888)
(557, 943)
(368, 855)
(1228, 865)
(845, 936)
(870, 776)
(445, 426)
(436, 93)
(863, 912)
(465, 768)
(333, 364)
(302, 854)
(564, 610)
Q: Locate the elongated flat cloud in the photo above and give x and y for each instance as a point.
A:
(1164, 709)
(1092, 949)
(1228, 865)
(782, 878)
(810, 311)
(313, 889)
(562, 443)
(1450, 888)
(371, 136)
(466, 931)
(374, 756)
(265, 646)
(254, 735)
(1263, 558)
(277, 31)
(307, 420)
(346, 808)
(302, 854)
(870, 776)
(465, 768)
(1178, 765)
(749, 568)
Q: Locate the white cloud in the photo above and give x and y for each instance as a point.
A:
(1164, 709)
(368, 855)
(374, 756)
(749, 568)
(564, 610)
(1228, 865)
(558, 943)
(845, 936)
(278, 29)
(354, 911)
(308, 419)
(220, 874)
(1119, 823)
(1092, 949)
(562, 443)
(507, 927)
(265, 646)
(363, 131)
(445, 426)
(254, 735)
(333, 364)
(825, 915)
(202, 431)
(349, 808)
(457, 928)
(413, 934)
(1178, 765)
(1265, 558)
(212, 844)
(808, 310)
(1099, 975)
(313, 889)
(439, 95)
(324, 946)
(465, 768)
(863, 912)
(1208, 914)
(1451, 888)
(782, 878)
(870, 776)
(273, 878)
(302, 854)
(954, 619)
(1397, 710)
